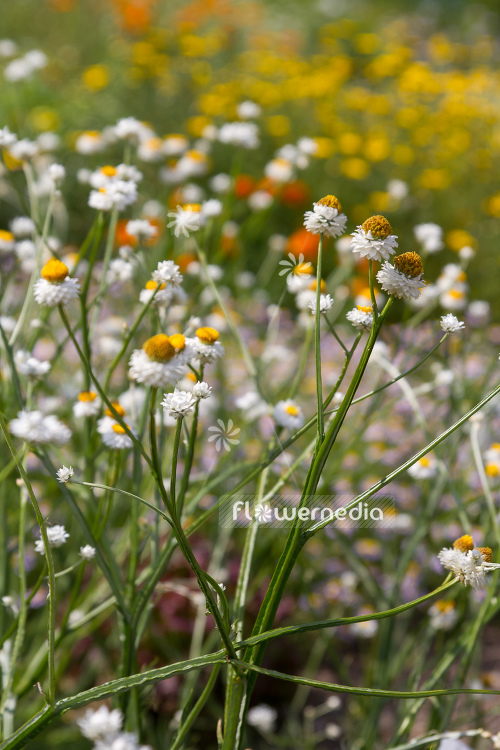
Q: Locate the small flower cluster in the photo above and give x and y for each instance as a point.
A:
(467, 562)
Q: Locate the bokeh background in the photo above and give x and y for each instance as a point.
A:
(391, 91)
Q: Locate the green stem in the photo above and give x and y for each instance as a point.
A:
(317, 347)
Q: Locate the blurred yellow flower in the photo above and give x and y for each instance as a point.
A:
(96, 77)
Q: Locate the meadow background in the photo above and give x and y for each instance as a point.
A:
(390, 92)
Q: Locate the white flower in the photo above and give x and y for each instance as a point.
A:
(430, 236)
(202, 390)
(288, 414)
(206, 347)
(141, 229)
(34, 427)
(325, 219)
(22, 226)
(470, 566)
(248, 110)
(453, 299)
(179, 404)
(167, 273)
(260, 200)
(30, 366)
(121, 741)
(243, 134)
(7, 242)
(8, 48)
(279, 170)
(57, 173)
(398, 284)
(262, 717)
(88, 404)
(451, 324)
(374, 239)
(155, 374)
(443, 615)
(425, 468)
(130, 129)
(308, 146)
(114, 435)
(7, 139)
(298, 272)
(51, 294)
(211, 208)
(24, 150)
(325, 304)
(87, 552)
(119, 270)
(56, 536)
(174, 145)
(252, 405)
(184, 220)
(100, 724)
(361, 318)
(90, 142)
(397, 189)
(64, 474)
(164, 297)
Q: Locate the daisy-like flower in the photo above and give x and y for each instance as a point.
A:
(443, 615)
(206, 345)
(167, 273)
(57, 173)
(492, 461)
(470, 565)
(64, 474)
(34, 427)
(132, 130)
(374, 239)
(90, 142)
(24, 150)
(288, 414)
(202, 390)
(100, 724)
(7, 241)
(56, 536)
(179, 404)
(211, 208)
(87, 552)
(425, 468)
(55, 287)
(117, 194)
(451, 324)
(185, 219)
(430, 236)
(361, 317)
(248, 110)
(404, 278)
(326, 217)
(88, 404)
(165, 296)
(325, 304)
(263, 717)
(242, 134)
(161, 361)
(7, 139)
(21, 227)
(141, 229)
(119, 270)
(116, 438)
(30, 366)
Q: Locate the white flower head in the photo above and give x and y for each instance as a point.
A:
(101, 724)
(34, 427)
(361, 317)
(430, 236)
(404, 278)
(451, 324)
(297, 271)
(206, 345)
(22, 226)
(202, 390)
(468, 563)
(142, 229)
(56, 535)
(87, 552)
(64, 474)
(162, 360)
(167, 273)
(242, 134)
(7, 139)
(179, 404)
(288, 414)
(185, 219)
(425, 468)
(374, 239)
(57, 173)
(88, 404)
(114, 436)
(248, 110)
(325, 304)
(262, 717)
(30, 366)
(326, 217)
(55, 287)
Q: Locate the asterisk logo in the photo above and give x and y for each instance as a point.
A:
(263, 513)
(295, 266)
(224, 435)
(184, 220)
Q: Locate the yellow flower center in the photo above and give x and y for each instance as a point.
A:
(314, 285)
(464, 543)
(331, 201)
(159, 348)
(117, 407)
(108, 170)
(409, 264)
(207, 335)
(154, 143)
(456, 294)
(178, 341)
(495, 446)
(119, 429)
(196, 207)
(425, 462)
(378, 226)
(191, 376)
(87, 396)
(492, 470)
(486, 551)
(6, 236)
(364, 308)
(55, 271)
(196, 155)
(444, 605)
(292, 410)
(302, 268)
(151, 285)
